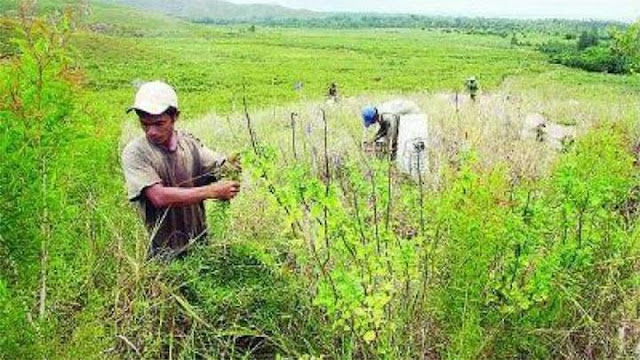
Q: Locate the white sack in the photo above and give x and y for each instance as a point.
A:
(399, 106)
(413, 144)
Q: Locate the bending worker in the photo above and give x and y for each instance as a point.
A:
(387, 134)
(169, 173)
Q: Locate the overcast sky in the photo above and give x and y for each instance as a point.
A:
(627, 10)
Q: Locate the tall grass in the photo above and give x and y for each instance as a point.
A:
(509, 249)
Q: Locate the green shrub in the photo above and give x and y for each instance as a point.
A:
(620, 54)
(588, 39)
(49, 240)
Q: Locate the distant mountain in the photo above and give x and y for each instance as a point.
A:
(215, 9)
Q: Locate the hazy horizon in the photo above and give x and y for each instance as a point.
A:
(621, 10)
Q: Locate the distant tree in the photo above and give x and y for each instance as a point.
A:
(627, 42)
(514, 39)
(588, 39)
(252, 28)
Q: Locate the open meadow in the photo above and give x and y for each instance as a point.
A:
(508, 246)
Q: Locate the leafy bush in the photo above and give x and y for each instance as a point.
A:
(588, 39)
(50, 243)
(519, 259)
(600, 59)
(495, 261)
(35, 109)
(620, 55)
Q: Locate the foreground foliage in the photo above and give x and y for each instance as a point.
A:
(327, 253)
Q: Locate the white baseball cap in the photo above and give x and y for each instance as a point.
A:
(154, 98)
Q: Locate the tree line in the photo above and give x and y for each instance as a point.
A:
(613, 50)
(479, 24)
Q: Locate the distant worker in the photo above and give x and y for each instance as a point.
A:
(541, 133)
(169, 173)
(387, 135)
(472, 87)
(332, 94)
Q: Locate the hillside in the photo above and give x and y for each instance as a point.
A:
(107, 18)
(215, 9)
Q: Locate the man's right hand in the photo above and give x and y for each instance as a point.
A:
(224, 190)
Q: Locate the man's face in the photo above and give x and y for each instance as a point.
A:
(157, 128)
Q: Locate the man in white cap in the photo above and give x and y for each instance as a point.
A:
(169, 173)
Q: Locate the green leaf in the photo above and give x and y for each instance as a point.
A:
(369, 336)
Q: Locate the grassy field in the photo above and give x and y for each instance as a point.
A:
(508, 248)
(214, 68)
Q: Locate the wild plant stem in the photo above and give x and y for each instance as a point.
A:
(252, 135)
(421, 189)
(270, 185)
(389, 194)
(375, 210)
(326, 187)
(43, 262)
(293, 135)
